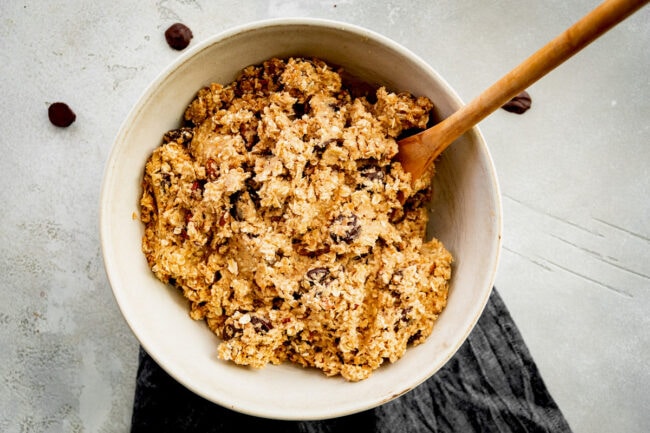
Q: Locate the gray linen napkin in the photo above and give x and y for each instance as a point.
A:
(491, 385)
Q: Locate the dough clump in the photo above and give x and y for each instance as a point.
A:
(279, 213)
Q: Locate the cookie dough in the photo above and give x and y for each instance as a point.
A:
(278, 211)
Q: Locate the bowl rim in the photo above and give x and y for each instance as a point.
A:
(142, 100)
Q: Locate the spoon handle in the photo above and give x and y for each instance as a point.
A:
(579, 35)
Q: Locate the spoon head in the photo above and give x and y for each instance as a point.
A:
(418, 152)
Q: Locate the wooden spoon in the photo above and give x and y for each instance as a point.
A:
(417, 152)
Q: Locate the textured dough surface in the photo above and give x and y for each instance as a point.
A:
(278, 211)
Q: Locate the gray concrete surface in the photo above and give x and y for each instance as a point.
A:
(575, 268)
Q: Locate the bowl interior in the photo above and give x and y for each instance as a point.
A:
(465, 215)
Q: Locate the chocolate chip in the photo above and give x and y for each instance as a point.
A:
(419, 199)
(165, 181)
(519, 104)
(318, 275)
(178, 36)
(181, 135)
(300, 109)
(345, 228)
(372, 173)
(277, 303)
(405, 313)
(261, 324)
(61, 115)
(229, 332)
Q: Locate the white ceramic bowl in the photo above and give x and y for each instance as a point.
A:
(466, 216)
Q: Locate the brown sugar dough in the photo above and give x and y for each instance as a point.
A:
(279, 213)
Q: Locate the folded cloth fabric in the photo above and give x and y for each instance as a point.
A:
(491, 385)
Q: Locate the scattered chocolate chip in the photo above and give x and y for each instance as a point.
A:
(178, 36)
(519, 104)
(61, 115)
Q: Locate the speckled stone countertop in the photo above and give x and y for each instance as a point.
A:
(574, 173)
